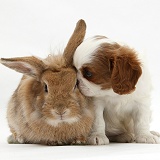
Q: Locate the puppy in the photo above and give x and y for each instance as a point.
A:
(118, 79)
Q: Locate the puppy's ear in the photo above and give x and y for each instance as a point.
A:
(126, 71)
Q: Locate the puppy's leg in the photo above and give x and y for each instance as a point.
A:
(122, 138)
(141, 117)
(98, 136)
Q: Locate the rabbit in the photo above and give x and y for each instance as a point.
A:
(47, 107)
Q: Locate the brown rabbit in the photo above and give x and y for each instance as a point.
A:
(47, 107)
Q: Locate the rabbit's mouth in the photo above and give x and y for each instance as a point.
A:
(61, 120)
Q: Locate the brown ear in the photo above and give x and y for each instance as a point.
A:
(126, 71)
(74, 41)
(31, 66)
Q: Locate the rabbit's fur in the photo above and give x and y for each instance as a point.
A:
(47, 107)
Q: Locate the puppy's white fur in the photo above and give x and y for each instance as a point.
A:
(118, 117)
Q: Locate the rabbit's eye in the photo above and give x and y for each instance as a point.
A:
(45, 88)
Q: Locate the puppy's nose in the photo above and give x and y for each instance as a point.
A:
(77, 83)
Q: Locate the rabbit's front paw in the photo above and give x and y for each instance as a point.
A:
(98, 139)
(56, 143)
(11, 140)
(147, 138)
(79, 140)
(18, 140)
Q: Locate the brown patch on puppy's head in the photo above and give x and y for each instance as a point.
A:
(99, 70)
(113, 66)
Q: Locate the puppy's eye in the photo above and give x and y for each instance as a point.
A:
(87, 73)
(45, 88)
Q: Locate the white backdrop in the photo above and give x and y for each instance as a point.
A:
(41, 27)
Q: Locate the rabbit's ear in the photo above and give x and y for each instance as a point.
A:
(31, 66)
(74, 41)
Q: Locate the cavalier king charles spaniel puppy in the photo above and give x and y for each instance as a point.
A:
(118, 80)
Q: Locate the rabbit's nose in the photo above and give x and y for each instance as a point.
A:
(60, 113)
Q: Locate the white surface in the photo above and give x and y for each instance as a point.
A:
(38, 27)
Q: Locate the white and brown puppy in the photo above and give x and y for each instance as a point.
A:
(119, 80)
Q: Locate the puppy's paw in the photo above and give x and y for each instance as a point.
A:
(98, 139)
(155, 133)
(147, 138)
(122, 138)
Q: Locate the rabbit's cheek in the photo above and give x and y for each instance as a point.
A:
(72, 120)
(35, 115)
